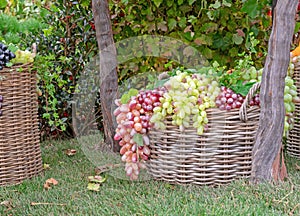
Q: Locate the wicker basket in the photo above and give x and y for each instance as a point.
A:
(220, 155)
(20, 155)
(293, 141)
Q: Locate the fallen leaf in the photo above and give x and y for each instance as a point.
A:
(46, 166)
(97, 179)
(49, 182)
(70, 152)
(47, 186)
(7, 204)
(297, 167)
(52, 181)
(93, 187)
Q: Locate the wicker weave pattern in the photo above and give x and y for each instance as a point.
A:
(20, 155)
(293, 141)
(220, 155)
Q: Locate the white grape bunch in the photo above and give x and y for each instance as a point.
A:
(187, 97)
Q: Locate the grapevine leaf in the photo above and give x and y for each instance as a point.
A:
(138, 139)
(241, 88)
(133, 92)
(125, 98)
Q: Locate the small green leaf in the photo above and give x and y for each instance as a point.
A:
(3, 4)
(191, 2)
(9, 64)
(138, 139)
(251, 8)
(226, 3)
(125, 98)
(172, 23)
(182, 22)
(210, 16)
(133, 92)
(157, 2)
(237, 39)
(216, 5)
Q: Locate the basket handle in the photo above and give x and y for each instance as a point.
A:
(249, 96)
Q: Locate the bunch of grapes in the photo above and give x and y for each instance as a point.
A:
(22, 57)
(290, 97)
(187, 96)
(1, 101)
(5, 55)
(133, 119)
(228, 99)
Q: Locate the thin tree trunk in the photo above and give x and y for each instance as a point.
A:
(267, 148)
(108, 63)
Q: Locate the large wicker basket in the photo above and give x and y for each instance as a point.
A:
(20, 154)
(220, 155)
(293, 141)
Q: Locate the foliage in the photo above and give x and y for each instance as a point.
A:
(11, 28)
(63, 50)
(24, 9)
(218, 29)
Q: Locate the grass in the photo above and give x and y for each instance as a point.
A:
(121, 197)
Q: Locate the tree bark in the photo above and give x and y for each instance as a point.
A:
(267, 147)
(108, 64)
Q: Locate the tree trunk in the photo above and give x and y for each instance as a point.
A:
(108, 64)
(267, 147)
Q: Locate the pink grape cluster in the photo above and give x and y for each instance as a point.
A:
(134, 118)
(228, 99)
(255, 101)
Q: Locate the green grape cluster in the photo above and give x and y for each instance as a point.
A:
(290, 96)
(187, 98)
(290, 92)
(23, 56)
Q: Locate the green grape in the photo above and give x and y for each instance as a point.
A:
(188, 95)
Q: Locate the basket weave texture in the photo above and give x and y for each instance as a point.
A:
(20, 154)
(293, 141)
(219, 156)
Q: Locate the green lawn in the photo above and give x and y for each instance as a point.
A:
(121, 197)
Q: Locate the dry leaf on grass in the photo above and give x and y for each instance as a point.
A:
(7, 204)
(70, 152)
(93, 187)
(46, 166)
(49, 182)
(95, 182)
